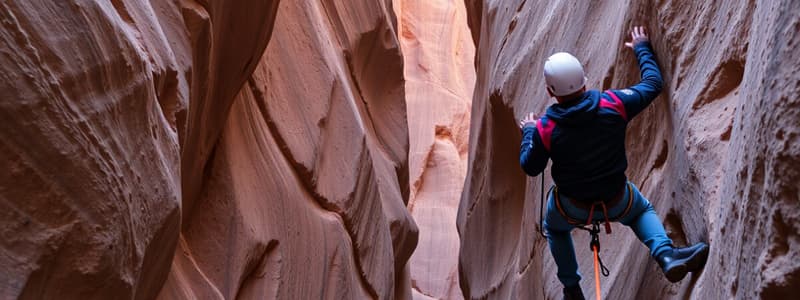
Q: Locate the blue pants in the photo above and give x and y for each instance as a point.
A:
(642, 219)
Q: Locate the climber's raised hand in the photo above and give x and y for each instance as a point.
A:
(638, 36)
(528, 119)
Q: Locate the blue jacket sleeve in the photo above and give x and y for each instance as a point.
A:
(532, 155)
(636, 98)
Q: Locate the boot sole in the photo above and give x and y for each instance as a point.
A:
(689, 264)
(676, 273)
(698, 261)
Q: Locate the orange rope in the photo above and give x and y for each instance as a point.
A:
(596, 274)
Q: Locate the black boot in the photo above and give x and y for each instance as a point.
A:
(676, 262)
(573, 293)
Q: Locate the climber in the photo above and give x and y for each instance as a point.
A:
(584, 135)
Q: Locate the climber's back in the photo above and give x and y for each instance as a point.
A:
(584, 133)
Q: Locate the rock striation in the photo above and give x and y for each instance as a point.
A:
(161, 149)
(438, 54)
(93, 101)
(303, 193)
(189, 149)
(717, 153)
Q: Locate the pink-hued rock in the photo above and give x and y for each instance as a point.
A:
(717, 153)
(303, 194)
(163, 149)
(439, 72)
(188, 149)
(227, 42)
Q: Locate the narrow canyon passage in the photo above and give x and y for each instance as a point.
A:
(716, 153)
(363, 149)
(438, 57)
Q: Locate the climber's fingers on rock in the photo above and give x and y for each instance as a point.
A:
(633, 39)
(638, 35)
(642, 32)
(529, 118)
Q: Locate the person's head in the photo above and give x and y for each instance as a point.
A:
(564, 76)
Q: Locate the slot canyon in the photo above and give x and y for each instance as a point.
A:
(369, 149)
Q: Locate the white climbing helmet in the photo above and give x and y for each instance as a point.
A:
(563, 74)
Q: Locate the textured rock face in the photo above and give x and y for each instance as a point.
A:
(133, 127)
(438, 53)
(303, 195)
(200, 149)
(90, 193)
(717, 153)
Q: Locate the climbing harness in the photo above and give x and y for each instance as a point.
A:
(577, 222)
(594, 230)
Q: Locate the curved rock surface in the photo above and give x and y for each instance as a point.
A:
(438, 53)
(717, 153)
(162, 149)
(92, 94)
(303, 195)
(278, 149)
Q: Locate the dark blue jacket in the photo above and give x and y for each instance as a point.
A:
(587, 136)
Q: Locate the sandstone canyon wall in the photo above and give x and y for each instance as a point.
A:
(91, 99)
(438, 54)
(163, 144)
(717, 153)
(182, 149)
(303, 195)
